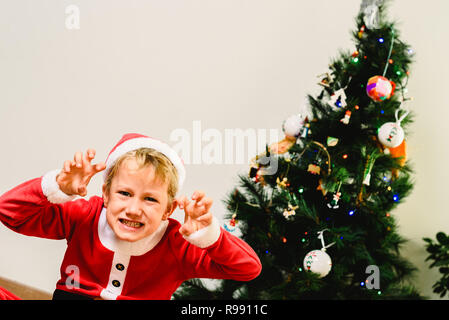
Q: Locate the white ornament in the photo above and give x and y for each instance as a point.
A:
(391, 134)
(338, 99)
(318, 261)
(293, 125)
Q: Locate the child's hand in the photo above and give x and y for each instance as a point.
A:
(197, 215)
(76, 174)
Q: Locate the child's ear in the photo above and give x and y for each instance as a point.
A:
(105, 196)
(170, 210)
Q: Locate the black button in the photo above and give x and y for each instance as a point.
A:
(120, 266)
(116, 283)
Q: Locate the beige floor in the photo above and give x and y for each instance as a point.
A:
(23, 291)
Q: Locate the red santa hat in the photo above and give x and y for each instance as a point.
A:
(134, 141)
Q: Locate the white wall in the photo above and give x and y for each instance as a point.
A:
(156, 66)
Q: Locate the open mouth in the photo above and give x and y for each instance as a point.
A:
(131, 224)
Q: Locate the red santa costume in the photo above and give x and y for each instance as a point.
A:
(98, 264)
(6, 295)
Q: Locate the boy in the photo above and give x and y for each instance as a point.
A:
(124, 245)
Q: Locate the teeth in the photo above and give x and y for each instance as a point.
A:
(131, 223)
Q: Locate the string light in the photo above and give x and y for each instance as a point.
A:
(345, 156)
(381, 40)
(395, 198)
(360, 33)
(351, 212)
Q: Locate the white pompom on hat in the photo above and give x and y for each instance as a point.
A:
(134, 141)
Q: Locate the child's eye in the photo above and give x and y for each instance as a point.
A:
(151, 199)
(124, 193)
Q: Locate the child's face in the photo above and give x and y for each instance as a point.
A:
(137, 201)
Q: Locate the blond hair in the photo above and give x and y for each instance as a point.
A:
(164, 168)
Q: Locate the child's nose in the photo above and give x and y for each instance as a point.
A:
(134, 207)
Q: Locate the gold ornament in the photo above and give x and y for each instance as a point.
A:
(282, 184)
(290, 211)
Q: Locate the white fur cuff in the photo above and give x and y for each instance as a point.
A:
(205, 237)
(51, 190)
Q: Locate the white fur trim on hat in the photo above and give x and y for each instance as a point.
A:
(146, 142)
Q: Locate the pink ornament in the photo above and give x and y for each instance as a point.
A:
(380, 88)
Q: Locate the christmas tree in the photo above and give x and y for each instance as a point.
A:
(322, 222)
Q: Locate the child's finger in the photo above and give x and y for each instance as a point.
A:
(204, 201)
(186, 202)
(198, 195)
(87, 158)
(182, 202)
(205, 218)
(207, 203)
(82, 191)
(185, 230)
(100, 166)
(67, 165)
(78, 159)
(91, 153)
